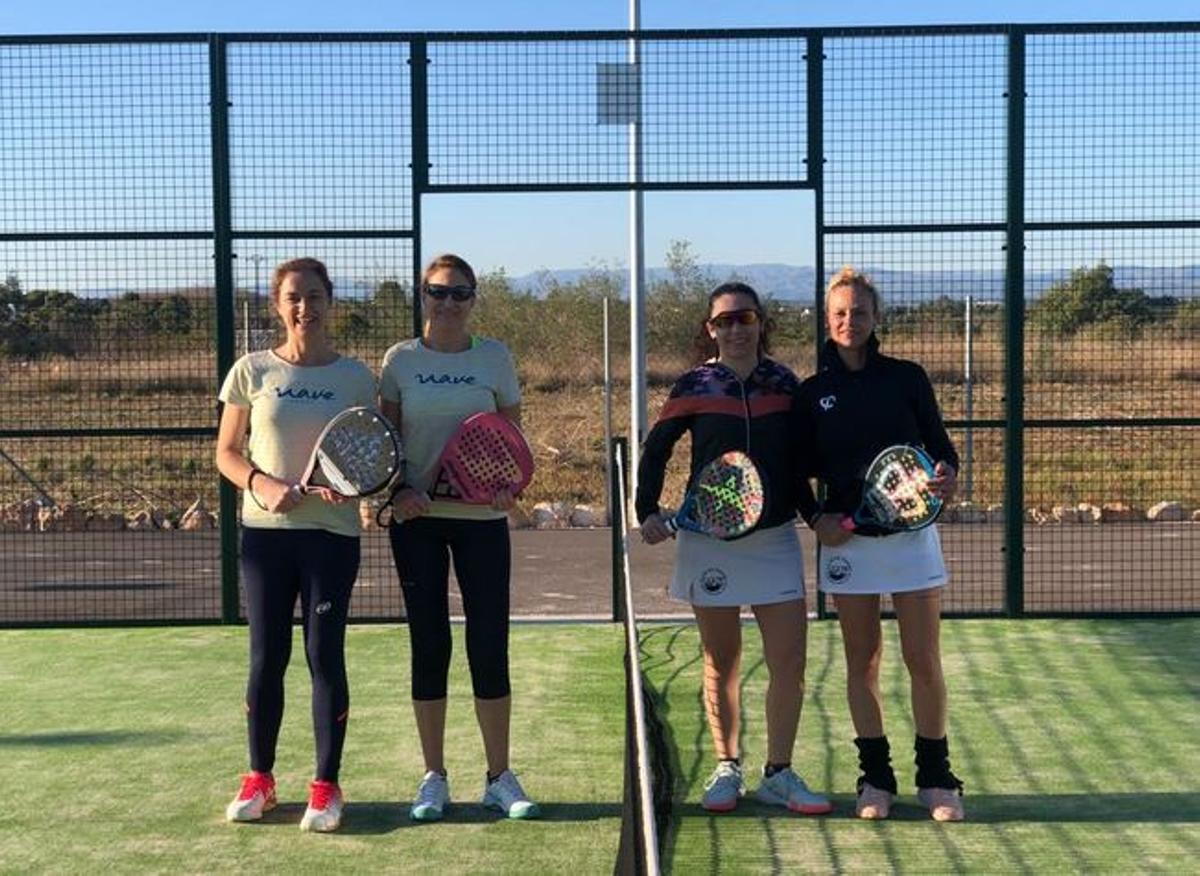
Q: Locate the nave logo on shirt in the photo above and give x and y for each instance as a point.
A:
(453, 379)
(304, 393)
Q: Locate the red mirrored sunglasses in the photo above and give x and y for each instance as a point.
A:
(732, 317)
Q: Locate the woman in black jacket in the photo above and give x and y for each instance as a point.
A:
(858, 403)
(738, 399)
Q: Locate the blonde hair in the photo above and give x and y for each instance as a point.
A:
(852, 277)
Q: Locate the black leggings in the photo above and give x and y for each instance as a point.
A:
(422, 549)
(320, 566)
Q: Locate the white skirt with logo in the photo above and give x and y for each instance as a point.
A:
(764, 567)
(898, 563)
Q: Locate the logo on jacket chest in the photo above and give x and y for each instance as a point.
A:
(827, 402)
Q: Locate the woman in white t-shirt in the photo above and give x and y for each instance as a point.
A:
(428, 386)
(293, 544)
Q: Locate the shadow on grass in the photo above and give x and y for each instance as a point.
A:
(85, 737)
(372, 817)
(1134, 808)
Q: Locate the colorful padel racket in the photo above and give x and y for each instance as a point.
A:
(485, 454)
(356, 454)
(726, 500)
(896, 495)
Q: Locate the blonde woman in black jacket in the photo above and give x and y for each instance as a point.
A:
(859, 402)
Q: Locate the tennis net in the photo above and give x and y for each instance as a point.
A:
(646, 801)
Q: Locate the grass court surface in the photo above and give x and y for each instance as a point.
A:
(1077, 742)
(122, 747)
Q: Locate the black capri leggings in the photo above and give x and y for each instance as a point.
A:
(422, 548)
(320, 567)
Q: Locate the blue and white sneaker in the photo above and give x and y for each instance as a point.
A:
(506, 795)
(785, 788)
(433, 796)
(724, 787)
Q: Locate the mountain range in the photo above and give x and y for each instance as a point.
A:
(798, 282)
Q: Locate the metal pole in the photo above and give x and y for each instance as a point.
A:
(1014, 353)
(637, 272)
(969, 381)
(608, 494)
(226, 316)
(245, 325)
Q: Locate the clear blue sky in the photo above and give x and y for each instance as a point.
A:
(555, 231)
(127, 16)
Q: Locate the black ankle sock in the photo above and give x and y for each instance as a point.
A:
(875, 761)
(772, 768)
(933, 764)
(491, 778)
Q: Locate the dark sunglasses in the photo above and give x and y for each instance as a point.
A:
(740, 317)
(441, 293)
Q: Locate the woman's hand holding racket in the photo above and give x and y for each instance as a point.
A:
(944, 483)
(503, 499)
(274, 495)
(655, 529)
(408, 503)
(829, 530)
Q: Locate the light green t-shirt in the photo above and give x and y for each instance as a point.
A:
(437, 391)
(289, 406)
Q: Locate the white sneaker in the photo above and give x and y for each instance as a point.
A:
(433, 796)
(506, 795)
(785, 788)
(256, 796)
(324, 812)
(724, 787)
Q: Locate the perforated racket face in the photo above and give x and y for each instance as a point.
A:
(358, 452)
(896, 490)
(486, 454)
(727, 498)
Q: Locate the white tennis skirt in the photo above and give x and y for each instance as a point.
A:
(897, 563)
(764, 567)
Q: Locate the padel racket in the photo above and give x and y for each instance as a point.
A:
(896, 495)
(486, 453)
(356, 454)
(726, 500)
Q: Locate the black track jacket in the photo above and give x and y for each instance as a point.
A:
(757, 416)
(849, 416)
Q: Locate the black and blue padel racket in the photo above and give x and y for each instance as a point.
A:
(896, 495)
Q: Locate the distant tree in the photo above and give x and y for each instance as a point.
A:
(676, 304)
(1089, 296)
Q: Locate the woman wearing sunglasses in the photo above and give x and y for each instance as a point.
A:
(859, 402)
(428, 386)
(739, 399)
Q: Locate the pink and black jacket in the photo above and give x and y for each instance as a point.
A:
(757, 416)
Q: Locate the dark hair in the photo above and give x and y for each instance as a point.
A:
(451, 261)
(706, 347)
(298, 266)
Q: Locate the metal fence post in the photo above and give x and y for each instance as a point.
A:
(1014, 354)
(223, 290)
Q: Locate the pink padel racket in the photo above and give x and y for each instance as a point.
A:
(485, 454)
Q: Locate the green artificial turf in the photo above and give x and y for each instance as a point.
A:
(1078, 742)
(121, 748)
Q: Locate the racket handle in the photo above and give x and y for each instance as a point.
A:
(847, 523)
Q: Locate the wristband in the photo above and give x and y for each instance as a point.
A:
(250, 487)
